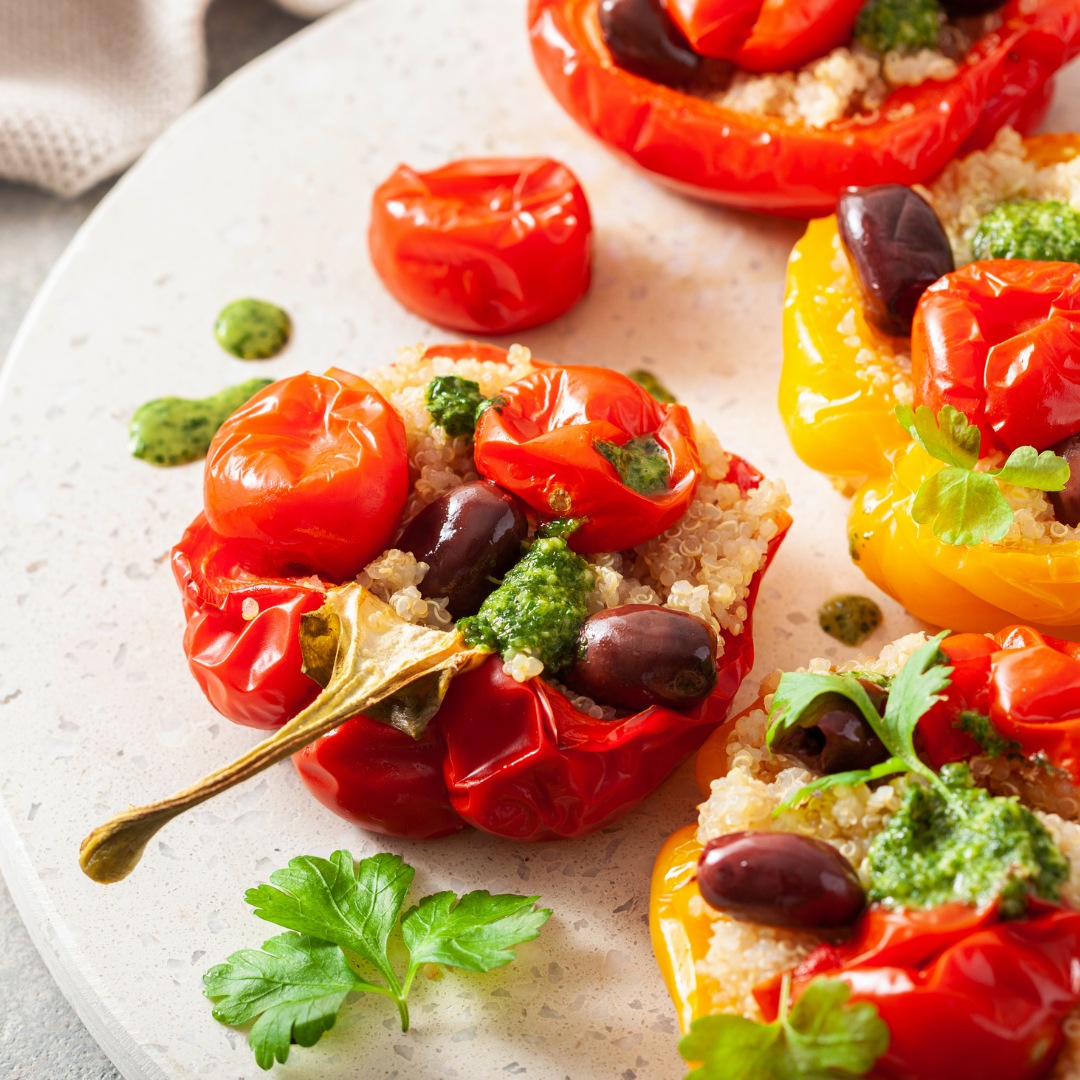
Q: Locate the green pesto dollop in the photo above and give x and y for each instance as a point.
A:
(642, 463)
(175, 430)
(898, 25)
(849, 618)
(969, 849)
(1029, 229)
(648, 381)
(252, 329)
(539, 607)
(454, 403)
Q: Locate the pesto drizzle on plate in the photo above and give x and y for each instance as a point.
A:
(252, 329)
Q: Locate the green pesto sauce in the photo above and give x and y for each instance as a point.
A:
(898, 25)
(849, 618)
(174, 430)
(1029, 229)
(539, 607)
(970, 849)
(981, 728)
(648, 381)
(641, 463)
(252, 329)
(454, 403)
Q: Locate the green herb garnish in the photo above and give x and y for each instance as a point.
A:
(912, 693)
(454, 404)
(898, 25)
(1029, 229)
(648, 381)
(341, 916)
(642, 463)
(981, 728)
(822, 1037)
(964, 506)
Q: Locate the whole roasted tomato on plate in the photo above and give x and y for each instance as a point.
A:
(777, 106)
(483, 245)
(511, 682)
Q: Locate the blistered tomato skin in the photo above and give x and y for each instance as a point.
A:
(897, 248)
(483, 246)
(780, 879)
(314, 467)
(539, 441)
(469, 538)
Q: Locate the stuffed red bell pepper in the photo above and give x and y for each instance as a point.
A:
(598, 544)
(844, 903)
(777, 106)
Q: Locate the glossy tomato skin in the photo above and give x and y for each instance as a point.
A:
(760, 163)
(776, 35)
(381, 779)
(998, 340)
(316, 468)
(539, 442)
(248, 668)
(483, 246)
(963, 993)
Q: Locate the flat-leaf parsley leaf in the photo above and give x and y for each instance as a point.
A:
(341, 915)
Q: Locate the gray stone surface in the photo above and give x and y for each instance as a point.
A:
(41, 1038)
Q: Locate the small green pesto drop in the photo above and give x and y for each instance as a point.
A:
(642, 463)
(175, 430)
(898, 25)
(539, 607)
(454, 403)
(648, 381)
(849, 618)
(252, 329)
(1029, 229)
(972, 848)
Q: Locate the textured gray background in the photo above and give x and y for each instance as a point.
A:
(41, 1038)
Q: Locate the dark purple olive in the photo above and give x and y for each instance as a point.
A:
(897, 248)
(1066, 503)
(644, 41)
(639, 655)
(468, 536)
(963, 9)
(835, 736)
(780, 879)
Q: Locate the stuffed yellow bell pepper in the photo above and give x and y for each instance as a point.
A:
(959, 308)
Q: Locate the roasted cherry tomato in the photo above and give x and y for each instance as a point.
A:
(1026, 682)
(315, 467)
(963, 994)
(543, 440)
(242, 639)
(772, 36)
(485, 246)
(765, 163)
(999, 341)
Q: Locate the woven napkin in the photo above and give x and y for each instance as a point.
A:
(86, 85)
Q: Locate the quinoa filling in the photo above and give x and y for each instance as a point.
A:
(703, 565)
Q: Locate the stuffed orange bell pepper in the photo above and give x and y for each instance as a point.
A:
(961, 303)
(858, 897)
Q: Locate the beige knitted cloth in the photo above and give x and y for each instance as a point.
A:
(86, 85)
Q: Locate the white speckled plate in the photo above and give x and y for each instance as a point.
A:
(263, 189)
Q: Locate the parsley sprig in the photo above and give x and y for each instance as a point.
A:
(821, 1037)
(964, 506)
(340, 916)
(920, 683)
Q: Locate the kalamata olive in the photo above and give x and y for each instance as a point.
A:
(1066, 503)
(780, 879)
(835, 736)
(644, 41)
(963, 9)
(468, 536)
(897, 248)
(639, 655)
